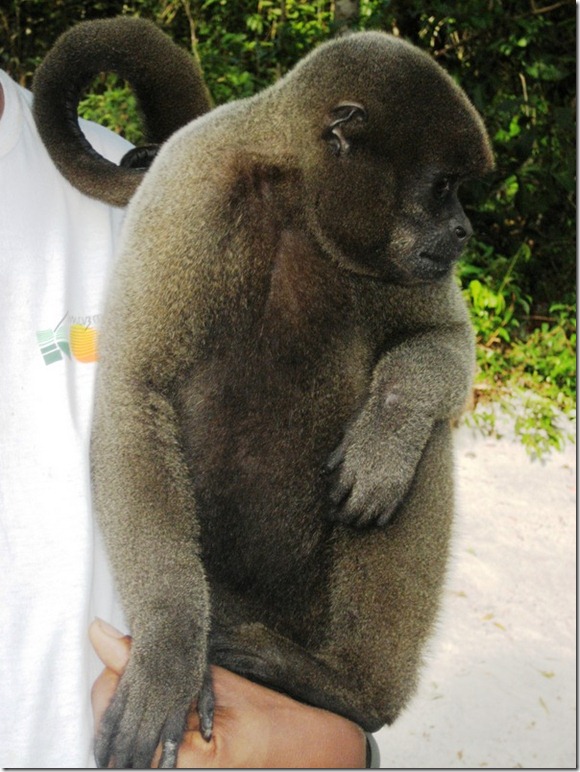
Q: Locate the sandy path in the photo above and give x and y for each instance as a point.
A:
(499, 688)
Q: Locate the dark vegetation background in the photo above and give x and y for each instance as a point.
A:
(517, 61)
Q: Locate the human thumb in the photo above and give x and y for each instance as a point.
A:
(112, 647)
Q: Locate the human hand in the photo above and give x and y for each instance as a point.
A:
(253, 726)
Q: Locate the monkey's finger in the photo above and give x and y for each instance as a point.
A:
(344, 513)
(370, 517)
(102, 692)
(335, 459)
(339, 495)
(380, 512)
(385, 516)
(362, 507)
(109, 728)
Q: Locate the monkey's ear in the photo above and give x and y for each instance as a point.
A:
(344, 122)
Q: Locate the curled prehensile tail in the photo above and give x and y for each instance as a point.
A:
(167, 82)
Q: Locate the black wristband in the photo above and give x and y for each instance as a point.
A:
(373, 754)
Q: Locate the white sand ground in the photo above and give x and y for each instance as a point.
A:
(499, 686)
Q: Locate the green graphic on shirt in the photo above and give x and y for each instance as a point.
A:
(74, 337)
(54, 343)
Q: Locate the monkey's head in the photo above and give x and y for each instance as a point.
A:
(389, 138)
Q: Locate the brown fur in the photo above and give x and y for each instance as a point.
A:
(167, 82)
(283, 349)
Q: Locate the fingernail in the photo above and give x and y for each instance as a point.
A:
(108, 629)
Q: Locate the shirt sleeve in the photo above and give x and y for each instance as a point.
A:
(110, 145)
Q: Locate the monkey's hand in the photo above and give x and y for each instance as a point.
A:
(371, 470)
(151, 707)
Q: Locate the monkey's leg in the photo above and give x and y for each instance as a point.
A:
(256, 652)
(385, 588)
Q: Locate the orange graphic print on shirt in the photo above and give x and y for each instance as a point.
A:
(73, 338)
(83, 343)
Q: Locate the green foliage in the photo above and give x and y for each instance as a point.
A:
(548, 355)
(244, 48)
(526, 363)
(517, 61)
(111, 103)
(538, 423)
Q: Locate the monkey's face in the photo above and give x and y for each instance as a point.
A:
(430, 230)
(387, 209)
(385, 163)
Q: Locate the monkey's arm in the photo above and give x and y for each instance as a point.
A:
(142, 489)
(146, 510)
(147, 513)
(423, 380)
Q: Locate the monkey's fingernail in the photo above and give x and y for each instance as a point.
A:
(333, 460)
(385, 517)
(339, 496)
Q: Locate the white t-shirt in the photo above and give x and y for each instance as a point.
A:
(56, 247)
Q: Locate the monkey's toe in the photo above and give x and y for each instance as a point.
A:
(206, 707)
(169, 755)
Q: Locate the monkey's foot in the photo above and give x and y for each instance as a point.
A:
(147, 710)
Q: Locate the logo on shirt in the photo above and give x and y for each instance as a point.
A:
(73, 338)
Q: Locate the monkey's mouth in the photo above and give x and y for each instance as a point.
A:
(431, 266)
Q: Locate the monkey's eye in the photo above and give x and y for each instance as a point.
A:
(443, 186)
